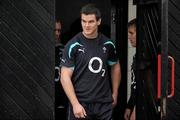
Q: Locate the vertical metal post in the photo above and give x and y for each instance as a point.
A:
(113, 23)
(164, 56)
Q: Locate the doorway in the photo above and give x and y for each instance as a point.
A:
(68, 11)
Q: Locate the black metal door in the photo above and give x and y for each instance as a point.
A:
(148, 38)
(173, 105)
(155, 81)
(26, 59)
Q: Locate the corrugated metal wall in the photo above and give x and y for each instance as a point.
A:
(174, 51)
(26, 59)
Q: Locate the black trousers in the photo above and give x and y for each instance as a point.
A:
(94, 111)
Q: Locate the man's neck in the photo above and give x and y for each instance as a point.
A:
(93, 36)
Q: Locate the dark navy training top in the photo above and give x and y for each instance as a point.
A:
(90, 60)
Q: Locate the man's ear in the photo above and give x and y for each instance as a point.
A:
(99, 21)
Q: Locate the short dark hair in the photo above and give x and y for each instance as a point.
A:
(58, 21)
(132, 23)
(91, 9)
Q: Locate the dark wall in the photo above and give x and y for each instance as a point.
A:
(174, 51)
(26, 59)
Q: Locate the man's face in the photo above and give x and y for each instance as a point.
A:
(89, 25)
(132, 35)
(57, 31)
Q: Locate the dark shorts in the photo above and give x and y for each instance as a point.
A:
(94, 111)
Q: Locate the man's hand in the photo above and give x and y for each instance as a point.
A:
(79, 111)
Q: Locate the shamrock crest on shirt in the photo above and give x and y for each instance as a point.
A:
(104, 49)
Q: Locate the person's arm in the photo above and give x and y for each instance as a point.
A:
(66, 74)
(132, 100)
(130, 106)
(116, 78)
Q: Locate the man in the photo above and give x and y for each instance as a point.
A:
(130, 110)
(59, 48)
(84, 74)
(60, 97)
(57, 32)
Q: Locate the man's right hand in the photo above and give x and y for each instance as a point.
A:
(79, 111)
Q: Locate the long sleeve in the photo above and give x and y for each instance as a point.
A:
(132, 100)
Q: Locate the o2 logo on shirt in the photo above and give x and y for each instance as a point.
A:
(99, 68)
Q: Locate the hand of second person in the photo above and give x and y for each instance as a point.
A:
(127, 114)
(79, 111)
(133, 115)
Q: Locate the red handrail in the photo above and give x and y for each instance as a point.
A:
(159, 77)
(172, 77)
